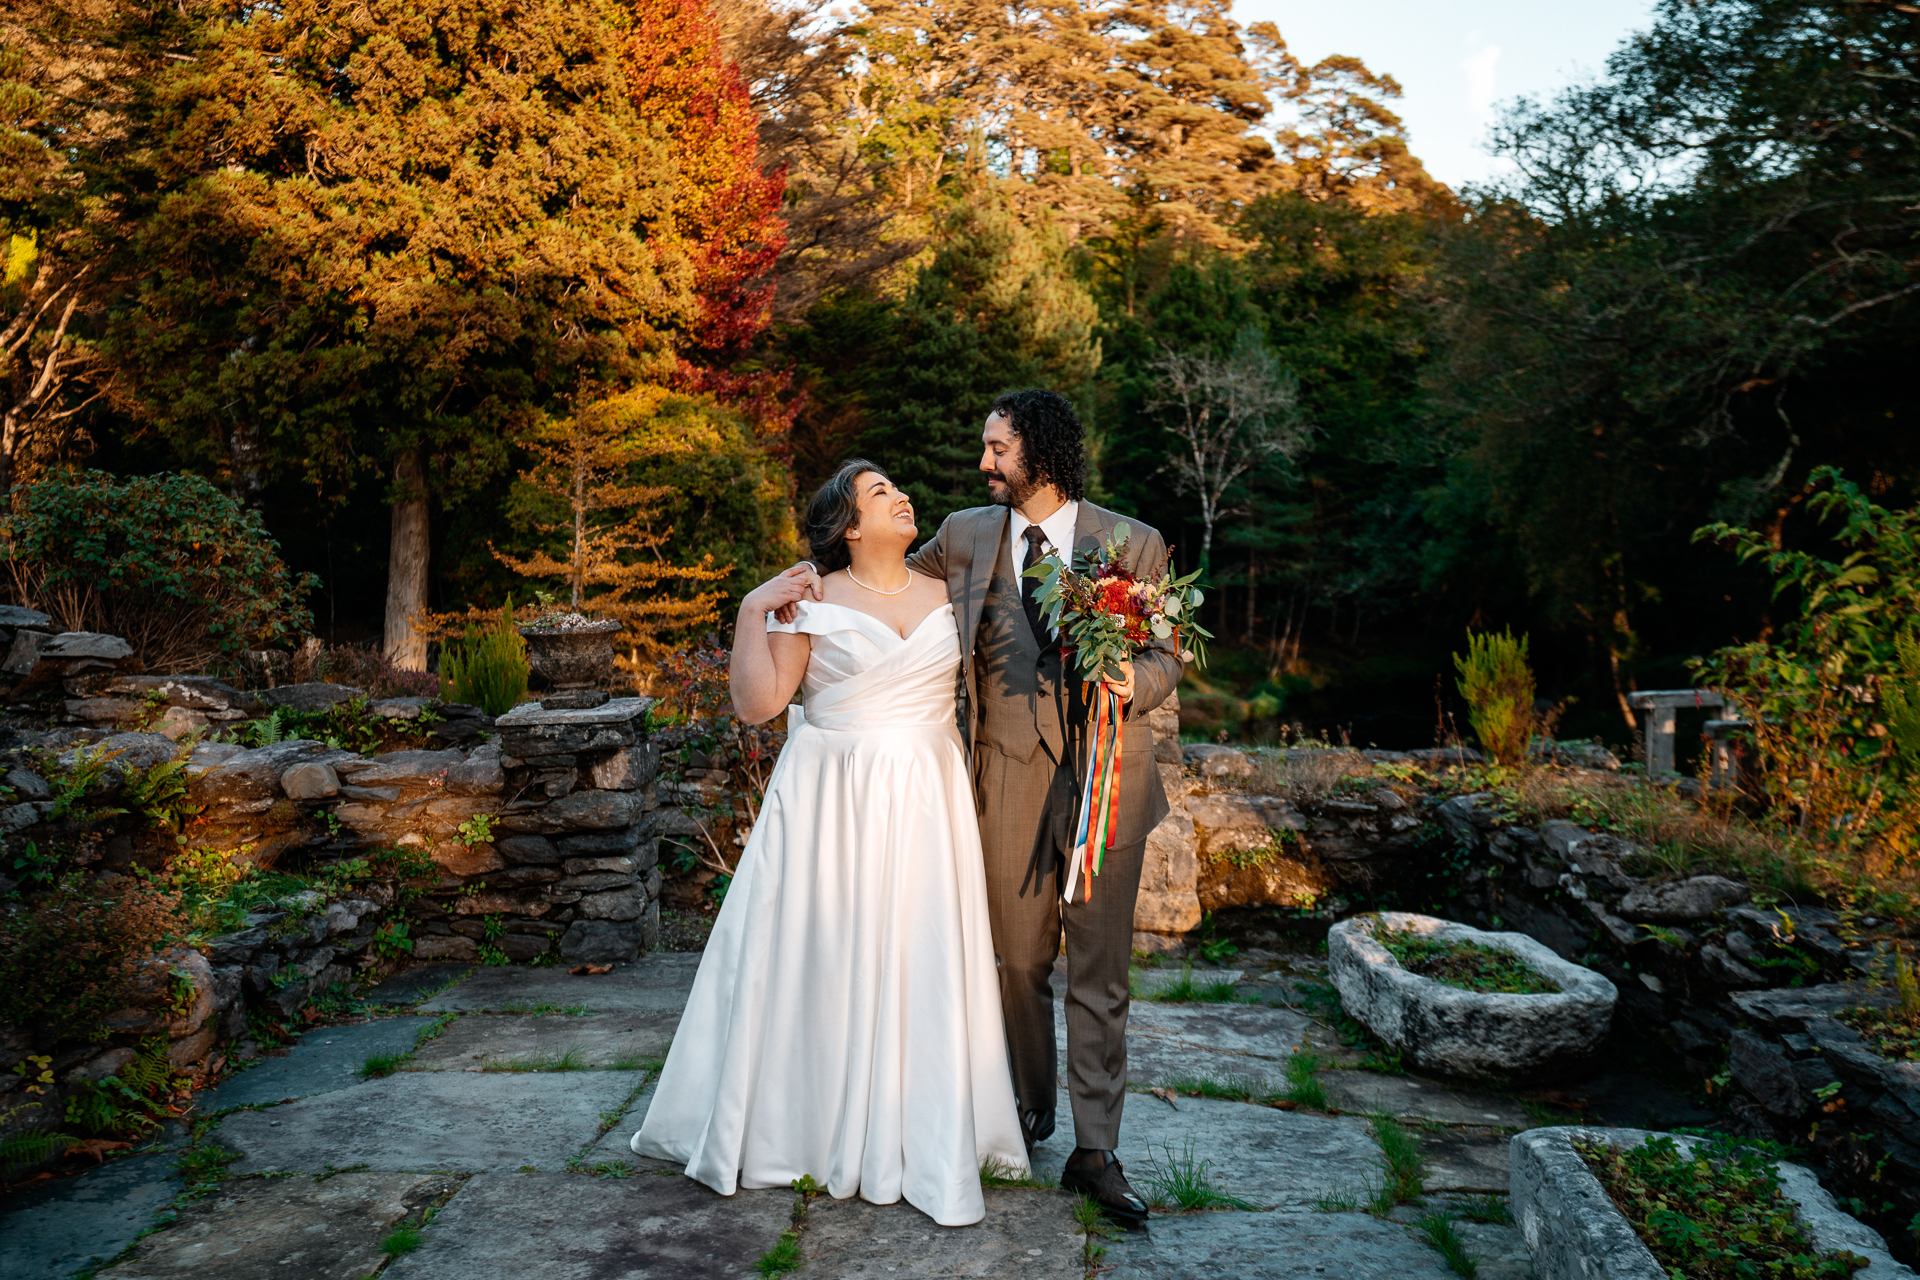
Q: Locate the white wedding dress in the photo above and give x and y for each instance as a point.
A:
(845, 1022)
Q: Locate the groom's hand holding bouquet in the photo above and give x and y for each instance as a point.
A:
(1104, 615)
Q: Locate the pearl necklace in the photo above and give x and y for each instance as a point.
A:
(877, 591)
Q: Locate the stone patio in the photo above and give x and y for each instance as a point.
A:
(507, 1130)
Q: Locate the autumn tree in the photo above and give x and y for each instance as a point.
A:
(583, 470)
(726, 209)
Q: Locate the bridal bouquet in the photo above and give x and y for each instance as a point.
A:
(1105, 615)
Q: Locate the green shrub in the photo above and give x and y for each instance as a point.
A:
(488, 667)
(1498, 686)
(1715, 1213)
(75, 953)
(187, 575)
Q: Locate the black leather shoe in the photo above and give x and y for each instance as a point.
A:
(1097, 1174)
(1035, 1128)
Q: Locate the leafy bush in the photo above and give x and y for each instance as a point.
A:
(694, 681)
(186, 574)
(1498, 686)
(75, 953)
(487, 668)
(1833, 697)
(1715, 1213)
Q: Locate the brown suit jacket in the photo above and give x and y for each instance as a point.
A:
(1017, 698)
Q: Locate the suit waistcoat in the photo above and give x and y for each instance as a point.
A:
(1024, 703)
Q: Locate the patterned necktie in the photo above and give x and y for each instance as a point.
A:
(1030, 587)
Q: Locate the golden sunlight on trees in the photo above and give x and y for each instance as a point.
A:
(614, 566)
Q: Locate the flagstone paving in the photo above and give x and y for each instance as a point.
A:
(508, 1113)
(287, 1228)
(320, 1062)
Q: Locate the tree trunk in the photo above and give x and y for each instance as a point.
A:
(248, 462)
(407, 564)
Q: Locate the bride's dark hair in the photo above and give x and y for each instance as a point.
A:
(834, 509)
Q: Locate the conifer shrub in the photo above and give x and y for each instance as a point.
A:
(1498, 686)
(187, 575)
(487, 667)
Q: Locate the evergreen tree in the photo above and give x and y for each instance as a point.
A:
(996, 308)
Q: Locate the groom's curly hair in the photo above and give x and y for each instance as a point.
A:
(1052, 441)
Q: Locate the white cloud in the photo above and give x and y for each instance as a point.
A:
(1480, 83)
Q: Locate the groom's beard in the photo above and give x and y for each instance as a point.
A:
(1008, 492)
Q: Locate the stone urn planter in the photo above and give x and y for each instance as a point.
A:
(570, 666)
(1470, 1033)
(1574, 1232)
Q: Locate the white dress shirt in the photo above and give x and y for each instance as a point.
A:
(1058, 527)
(1059, 530)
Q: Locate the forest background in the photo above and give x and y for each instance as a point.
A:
(377, 270)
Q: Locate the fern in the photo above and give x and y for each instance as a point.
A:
(1900, 702)
(31, 1148)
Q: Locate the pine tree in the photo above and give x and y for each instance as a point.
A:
(583, 467)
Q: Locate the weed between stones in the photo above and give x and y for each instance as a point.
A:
(572, 1058)
(544, 1010)
(1324, 1002)
(995, 1172)
(1487, 1208)
(1181, 1182)
(1714, 1213)
(785, 1254)
(1184, 990)
(1405, 1166)
(1095, 1231)
(1470, 966)
(1303, 1089)
(404, 1238)
(1440, 1232)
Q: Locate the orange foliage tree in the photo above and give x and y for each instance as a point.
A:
(727, 209)
(583, 467)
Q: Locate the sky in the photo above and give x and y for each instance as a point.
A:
(1457, 60)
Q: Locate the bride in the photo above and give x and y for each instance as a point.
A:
(846, 1022)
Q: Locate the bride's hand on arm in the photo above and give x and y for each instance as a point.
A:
(810, 576)
(767, 668)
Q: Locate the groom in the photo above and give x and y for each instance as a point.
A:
(1027, 721)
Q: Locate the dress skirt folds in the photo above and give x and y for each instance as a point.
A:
(845, 1022)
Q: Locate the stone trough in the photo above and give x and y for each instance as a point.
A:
(1574, 1232)
(1468, 1033)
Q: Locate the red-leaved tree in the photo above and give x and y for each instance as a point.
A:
(727, 209)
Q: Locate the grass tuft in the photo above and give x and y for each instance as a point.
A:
(1185, 1183)
(404, 1238)
(1095, 1231)
(572, 1058)
(995, 1172)
(1345, 1200)
(783, 1257)
(1303, 1086)
(1487, 1208)
(1441, 1234)
(1185, 990)
(1405, 1165)
(383, 1064)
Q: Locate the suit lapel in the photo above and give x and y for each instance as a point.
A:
(971, 599)
(1089, 527)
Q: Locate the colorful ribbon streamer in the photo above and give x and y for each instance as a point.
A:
(1099, 794)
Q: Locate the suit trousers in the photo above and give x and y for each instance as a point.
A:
(1027, 811)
